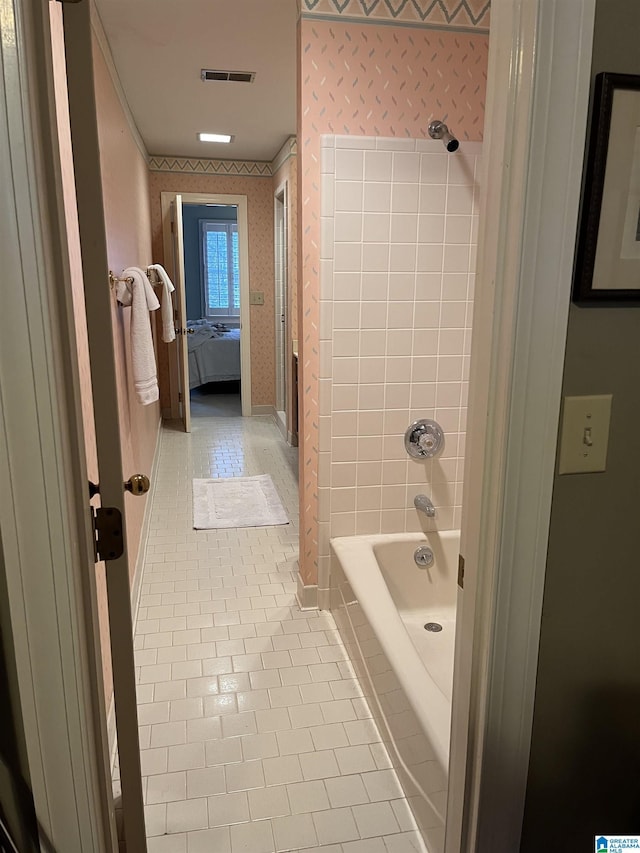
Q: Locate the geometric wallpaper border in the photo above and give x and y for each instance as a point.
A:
(450, 13)
(194, 166)
(228, 168)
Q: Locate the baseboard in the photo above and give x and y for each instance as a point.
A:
(307, 595)
(264, 410)
(137, 583)
(281, 423)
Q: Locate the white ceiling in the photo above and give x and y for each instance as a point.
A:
(159, 48)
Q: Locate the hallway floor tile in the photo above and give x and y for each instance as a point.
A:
(254, 732)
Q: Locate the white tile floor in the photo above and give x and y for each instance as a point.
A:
(254, 733)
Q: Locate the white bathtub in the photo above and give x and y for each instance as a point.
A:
(381, 600)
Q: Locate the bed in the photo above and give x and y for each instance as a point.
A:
(214, 353)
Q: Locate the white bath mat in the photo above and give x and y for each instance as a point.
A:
(237, 502)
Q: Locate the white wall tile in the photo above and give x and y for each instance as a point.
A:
(402, 257)
(378, 165)
(398, 345)
(347, 257)
(402, 286)
(376, 227)
(376, 198)
(406, 167)
(433, 168)
(348, 227)
(404, 198)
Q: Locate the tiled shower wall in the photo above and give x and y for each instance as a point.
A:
(371, 69)
(398, 242)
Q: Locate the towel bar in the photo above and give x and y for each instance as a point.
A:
(114, 279)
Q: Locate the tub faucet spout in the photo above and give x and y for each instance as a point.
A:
(423, 504)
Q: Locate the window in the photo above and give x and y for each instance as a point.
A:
(221, 269)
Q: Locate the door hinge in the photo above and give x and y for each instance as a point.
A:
(460, 571)
(107, 532)
(179, 396)
(172, 228)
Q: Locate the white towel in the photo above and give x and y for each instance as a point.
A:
(140, 296)
(168, 325)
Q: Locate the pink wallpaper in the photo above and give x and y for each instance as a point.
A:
(366, 80)
(259, 192)
(126, 210)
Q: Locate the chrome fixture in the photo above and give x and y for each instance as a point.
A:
(423, 504)
(424, 439)
(433, 627)
(423, 556)
(439, 130)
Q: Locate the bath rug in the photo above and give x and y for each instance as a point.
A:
(237, 502)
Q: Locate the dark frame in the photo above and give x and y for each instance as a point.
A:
(593, 192)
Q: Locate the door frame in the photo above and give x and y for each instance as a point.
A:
(240, 201)
(538, 94)
(281, 209)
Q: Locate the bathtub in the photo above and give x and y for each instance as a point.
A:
(381, 601)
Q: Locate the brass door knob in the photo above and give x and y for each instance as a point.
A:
(137, 484)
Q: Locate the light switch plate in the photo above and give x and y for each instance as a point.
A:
(256, 297)
(585, 434)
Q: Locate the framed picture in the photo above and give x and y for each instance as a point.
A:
(607, 265)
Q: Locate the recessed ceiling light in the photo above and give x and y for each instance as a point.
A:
(215, 137)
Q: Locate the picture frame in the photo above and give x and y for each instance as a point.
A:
(607, 267)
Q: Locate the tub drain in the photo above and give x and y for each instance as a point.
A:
(434, 627)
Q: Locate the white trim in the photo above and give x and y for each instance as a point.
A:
(281, 295)
(538, 90)
(43, 502)
(288, 150)
(105, 48)
(264, 411)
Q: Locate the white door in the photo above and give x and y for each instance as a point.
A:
(181, 312)
(86, 160)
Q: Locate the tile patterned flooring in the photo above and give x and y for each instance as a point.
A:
(254, 732)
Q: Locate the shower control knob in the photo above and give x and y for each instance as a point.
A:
(424, 439)
(426, 442)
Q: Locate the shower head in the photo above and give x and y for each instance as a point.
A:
(439, 130)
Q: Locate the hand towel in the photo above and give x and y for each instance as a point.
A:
(168, 325)
(140, 296)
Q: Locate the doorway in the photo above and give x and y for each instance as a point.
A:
(206, 245)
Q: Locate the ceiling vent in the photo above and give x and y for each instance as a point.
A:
(228, 76)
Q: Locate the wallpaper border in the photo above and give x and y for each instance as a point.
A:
(435, 14)
(226, 168)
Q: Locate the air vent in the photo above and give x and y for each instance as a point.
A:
(227, 76)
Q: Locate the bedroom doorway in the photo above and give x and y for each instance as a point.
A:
(206, 236)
